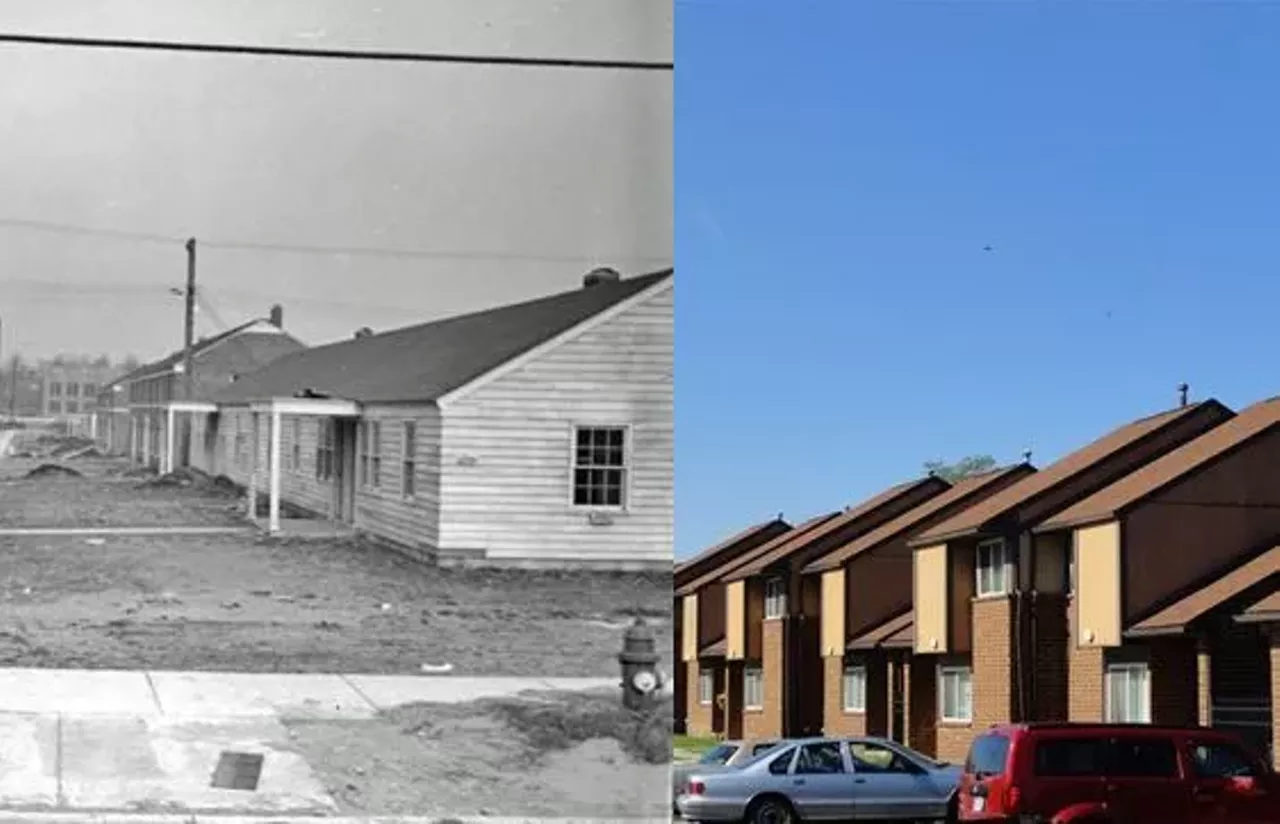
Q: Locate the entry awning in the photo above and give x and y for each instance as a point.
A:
(1174, 619)
(715, 650)
(1267, 609)
(898, 632)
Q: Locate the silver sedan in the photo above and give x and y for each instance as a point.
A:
(727, 755)
(825, 779)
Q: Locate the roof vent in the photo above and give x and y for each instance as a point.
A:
(276, 317)
(363, 332)
(1183, 389)
(601, 275)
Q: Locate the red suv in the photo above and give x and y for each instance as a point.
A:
(1115, 774)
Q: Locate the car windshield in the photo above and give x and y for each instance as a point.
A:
(719, 754)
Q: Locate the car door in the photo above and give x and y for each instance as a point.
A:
(888, 785)
(1229, 786)
(1144, 781)
(821, 786)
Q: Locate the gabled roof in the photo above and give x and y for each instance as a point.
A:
(1221, 589)
(963, 491)
(425, 362)
(898, 631)
(725, 550)
(974, 519)
(168, 362)
(719, 572)
(1265, 609)
(1148, 480)
(846, 520)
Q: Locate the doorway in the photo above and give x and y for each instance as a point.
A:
(897, 703)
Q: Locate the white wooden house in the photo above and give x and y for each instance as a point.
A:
(539, 433)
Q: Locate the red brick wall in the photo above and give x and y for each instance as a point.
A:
(1204, 675)
(1050, 651)
(835, 721)
(767, 723)
(1085, 691)
(992, 662)
(699, 715)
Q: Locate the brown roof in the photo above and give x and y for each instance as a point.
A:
(898, 631)
(725, 548)
(975, 518)
(1268, 609)
(1175, 618)
(913, 518)
(1155, 476)
(846, 518)
(729, 566)
(714, 650)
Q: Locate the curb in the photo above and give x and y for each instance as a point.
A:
(74, 817)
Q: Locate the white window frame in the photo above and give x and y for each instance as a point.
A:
(753, 675)
(963, 676)
(775, 598)
(998, 558)
(624, 483)
(706, 688)
(1137, 676)
(409, 459)
(295, 445)
(853, 689)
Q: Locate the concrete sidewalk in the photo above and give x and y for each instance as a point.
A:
(77, 741)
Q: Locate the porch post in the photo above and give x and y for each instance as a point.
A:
(146, 438)
(273, 470)
(252, 503)
(170, 416)
(1204, 683)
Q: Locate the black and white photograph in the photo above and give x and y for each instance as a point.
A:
(336, 410)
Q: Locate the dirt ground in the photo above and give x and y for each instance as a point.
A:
(252, 604)
(552, 755)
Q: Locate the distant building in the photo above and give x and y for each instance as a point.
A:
(71, 389)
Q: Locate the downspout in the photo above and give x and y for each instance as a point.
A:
(1018, 657)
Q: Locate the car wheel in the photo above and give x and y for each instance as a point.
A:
(771, 809)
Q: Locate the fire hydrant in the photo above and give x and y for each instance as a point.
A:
(641, 681)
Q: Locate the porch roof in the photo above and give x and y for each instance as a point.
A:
(1266, 609)
(898, 632)
(1237, 582)
(719, 572)
(714, 650)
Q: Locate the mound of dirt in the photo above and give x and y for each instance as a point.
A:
(51, 470)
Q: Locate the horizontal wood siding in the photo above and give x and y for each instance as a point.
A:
(384, 510)
(506, 458)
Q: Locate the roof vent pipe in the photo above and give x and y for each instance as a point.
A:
(1182, 394)
(277, 316)
(601, 275)
(363, 332)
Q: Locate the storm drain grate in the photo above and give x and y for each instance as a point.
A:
(238, 771)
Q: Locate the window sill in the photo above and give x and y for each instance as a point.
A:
(991, 596)
(852, 711)
(773, 617)
(956, 722)
(754, 710)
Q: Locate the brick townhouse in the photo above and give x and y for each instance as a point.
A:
(1165, 561)
(990, 595)
(773, 611)
(867, 617)
(690, 570)
(712, 682)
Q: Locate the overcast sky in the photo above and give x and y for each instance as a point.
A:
(547, 171)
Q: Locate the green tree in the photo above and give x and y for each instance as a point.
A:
(963, 468)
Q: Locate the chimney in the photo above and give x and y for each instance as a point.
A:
(363, 332)
(277, 316)
(601, 275)
(1182, 394)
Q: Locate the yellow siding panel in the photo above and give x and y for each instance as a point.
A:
(735, 618)
(1098, 585)
(690, 627)
(833, 612)
(930, 599)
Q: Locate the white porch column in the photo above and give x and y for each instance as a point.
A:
(273, 470)
(146, 438)
(252, 503)
(169, 440)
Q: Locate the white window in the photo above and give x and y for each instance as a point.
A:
(955, 694)
(324, 450)
(1128, 694)
(409, 467)
(706, 688)
(600, 466)
(753, 688)
(855, 689)
(995, 568)
(775, 598)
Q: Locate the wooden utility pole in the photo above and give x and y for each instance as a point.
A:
(189, 327)
(13, 387)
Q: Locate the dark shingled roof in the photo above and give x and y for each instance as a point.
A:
(424, 362)
(963, 490)
(725, 550)
(898, 631)
(173, 358)
(1135, 487)
(1267, 609)
(1174, 618)
(847, 518)
(747, 557)
(978, 516)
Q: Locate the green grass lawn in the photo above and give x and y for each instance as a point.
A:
(691, 747)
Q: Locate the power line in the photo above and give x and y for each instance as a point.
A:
(339, 251)
(334, 54)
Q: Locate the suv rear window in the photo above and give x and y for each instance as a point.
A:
(988, 755)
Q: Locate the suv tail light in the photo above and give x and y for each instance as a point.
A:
(1012, 799)
(695, 787)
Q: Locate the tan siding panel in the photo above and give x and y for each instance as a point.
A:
(735, 617)
(833, 612)
(931, 599)
(1097, 598)
(690, 627)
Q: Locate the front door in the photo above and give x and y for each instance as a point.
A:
(344, 470)
(897, 708)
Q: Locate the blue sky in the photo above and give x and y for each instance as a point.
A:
(841, 165)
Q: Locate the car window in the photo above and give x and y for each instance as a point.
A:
(820, 759)
(719, 754)
(987, 755)
(1221, 760)
(781, 764)
(762, 748)
(871, 757)
(1143, 758)
(1070, 757)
